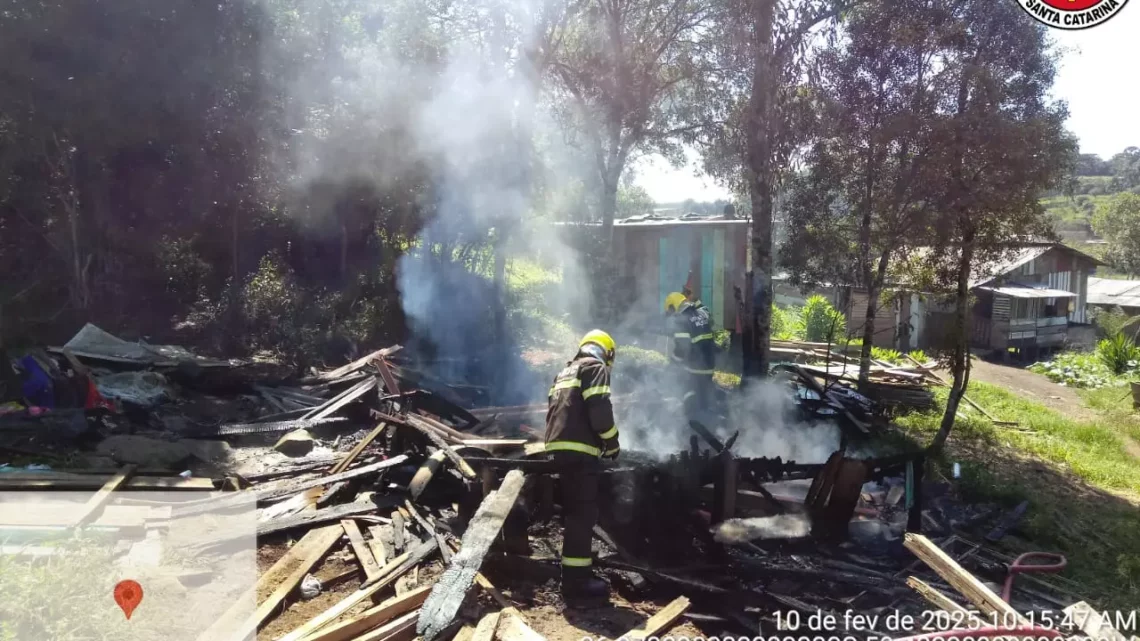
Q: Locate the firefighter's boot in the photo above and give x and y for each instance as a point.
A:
(581, 587)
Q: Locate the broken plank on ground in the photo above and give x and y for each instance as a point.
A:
(965, 583)
(659, 622)
(363, 554)
(378, 615)
(95, 504)
(324, 516)
(344, 398)
(358, 449)
(443, 604)
(393, 571)
(297, 486)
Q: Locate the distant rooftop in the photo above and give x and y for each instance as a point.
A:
(1109, 291)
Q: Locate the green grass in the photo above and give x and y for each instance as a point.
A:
(1093, 451)
(1081, 483)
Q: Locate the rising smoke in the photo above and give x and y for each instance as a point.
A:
(462, 117)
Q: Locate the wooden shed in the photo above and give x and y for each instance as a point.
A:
(660, 255)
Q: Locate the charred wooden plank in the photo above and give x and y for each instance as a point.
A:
(359, 449)
(236, 429)
(344, 398)
(298, 486)
(309, 519)
(443, 603)
(436, 439)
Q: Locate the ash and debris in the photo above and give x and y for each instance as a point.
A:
(799, 523)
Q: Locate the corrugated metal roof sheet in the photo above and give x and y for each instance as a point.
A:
(1109, 291)
(1015, 291)
(984, 273)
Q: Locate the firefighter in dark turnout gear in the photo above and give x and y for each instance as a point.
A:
(694, 350)
(580, 431)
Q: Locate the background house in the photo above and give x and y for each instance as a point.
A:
(1033, 300)
(1107, 293)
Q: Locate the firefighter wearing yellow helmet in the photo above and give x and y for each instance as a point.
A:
(693, 349)
(580, 430)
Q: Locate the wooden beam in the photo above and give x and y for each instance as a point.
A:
(356, 451)
(965, 583)
(378, 615)
(363, 554)
(944, 603)
(513, 628)
(402, 629)
(324, 516)
(293, 488)
(443, 604)
(345, 370)
(68, 482)
(437, 440)
(285, 574)
(344, 398)
(660, 622)
(376, 543)
(485, 631)
(94, 505)
(390, 573)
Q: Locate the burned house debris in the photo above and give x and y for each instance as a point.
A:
(433, 496)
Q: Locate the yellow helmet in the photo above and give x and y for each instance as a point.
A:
(601, 339)
(674, 301)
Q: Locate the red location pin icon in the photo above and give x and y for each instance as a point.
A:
(128, 594)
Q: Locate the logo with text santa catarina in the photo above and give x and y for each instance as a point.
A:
(1072, 14)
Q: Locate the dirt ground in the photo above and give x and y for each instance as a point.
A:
(1032, 386)
(540, 604)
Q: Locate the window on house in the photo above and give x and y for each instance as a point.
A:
(1051, 308)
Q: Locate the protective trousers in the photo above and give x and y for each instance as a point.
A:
(698, 399)
(579, 476)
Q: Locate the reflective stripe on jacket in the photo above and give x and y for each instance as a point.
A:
(580, 417)
(693, 344)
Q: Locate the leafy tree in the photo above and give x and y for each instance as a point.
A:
(633, 200)
(754, 122)
(868, 165)
(627, 77)
(1092, 165)
(1000, 143)
(1118, 222)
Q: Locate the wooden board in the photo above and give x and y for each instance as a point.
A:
(68, 482)
(373, 617)
(363, 554)
(344, 398)
(293, 488)
(38, 515)
(324, 516)
(944, 603)
(356, 451)
(402, 629)
(377, 545)
(95, 504)
(391, 573)
(437, 439)
(513, 628)
(303, 555)
(965, 583)
(441, 607)
(660, 622)
(485, 631)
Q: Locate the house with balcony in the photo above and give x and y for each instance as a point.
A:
(1032, 303)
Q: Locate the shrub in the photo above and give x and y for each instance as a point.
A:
(1110, 322)
(919, 356)
(1118, 353)
(821, 321)
(786, 325)
(1076, 369)
(891, 356)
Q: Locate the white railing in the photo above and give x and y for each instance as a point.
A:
(1052, 321)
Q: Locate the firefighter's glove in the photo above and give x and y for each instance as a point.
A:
(610, 449)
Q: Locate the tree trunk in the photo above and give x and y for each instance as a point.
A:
(608, 204)
(760, 176)
(960, 365)
(874, 290)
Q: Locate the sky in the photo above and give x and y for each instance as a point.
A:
(1096, 77)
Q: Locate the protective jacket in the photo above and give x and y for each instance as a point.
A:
(693, 344)
(580, 417)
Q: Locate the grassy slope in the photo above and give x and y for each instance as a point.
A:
(1082, 484)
